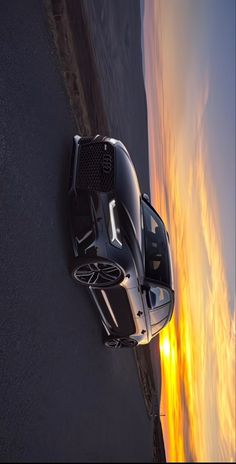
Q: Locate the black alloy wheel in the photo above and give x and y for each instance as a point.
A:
(98, 274)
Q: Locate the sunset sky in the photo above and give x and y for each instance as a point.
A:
(189, 68)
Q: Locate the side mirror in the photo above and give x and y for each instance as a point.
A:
(146, 197)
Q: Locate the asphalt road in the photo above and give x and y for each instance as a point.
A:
(63, 395)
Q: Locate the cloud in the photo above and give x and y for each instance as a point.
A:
(198, 370)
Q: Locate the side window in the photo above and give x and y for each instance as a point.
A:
(157, 315)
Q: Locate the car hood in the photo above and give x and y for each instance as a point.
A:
(128, 191)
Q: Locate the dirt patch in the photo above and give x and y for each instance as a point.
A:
(77, 64)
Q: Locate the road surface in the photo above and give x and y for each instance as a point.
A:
(63, 395)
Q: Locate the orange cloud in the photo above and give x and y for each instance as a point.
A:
(198, 346)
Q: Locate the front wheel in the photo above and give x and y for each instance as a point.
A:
(98, 274)
(122, 342)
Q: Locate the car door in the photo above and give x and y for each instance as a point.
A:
(136, 304)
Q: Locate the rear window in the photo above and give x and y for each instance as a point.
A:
(159, 296)
(157, 327)
(156, 315)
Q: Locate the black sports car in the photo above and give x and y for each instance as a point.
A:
(121, 246)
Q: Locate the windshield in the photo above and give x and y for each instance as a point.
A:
(156, 247)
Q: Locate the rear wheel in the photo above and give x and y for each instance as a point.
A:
(97, 274)
(122, 342)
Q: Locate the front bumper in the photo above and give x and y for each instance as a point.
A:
(91, 195)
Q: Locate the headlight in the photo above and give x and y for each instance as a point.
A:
(114, 228)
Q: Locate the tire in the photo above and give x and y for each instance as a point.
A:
(99, 273)
(120, 342)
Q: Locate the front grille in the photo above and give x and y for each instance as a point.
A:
(96, 167)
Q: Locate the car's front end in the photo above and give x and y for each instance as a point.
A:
(104, 204)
